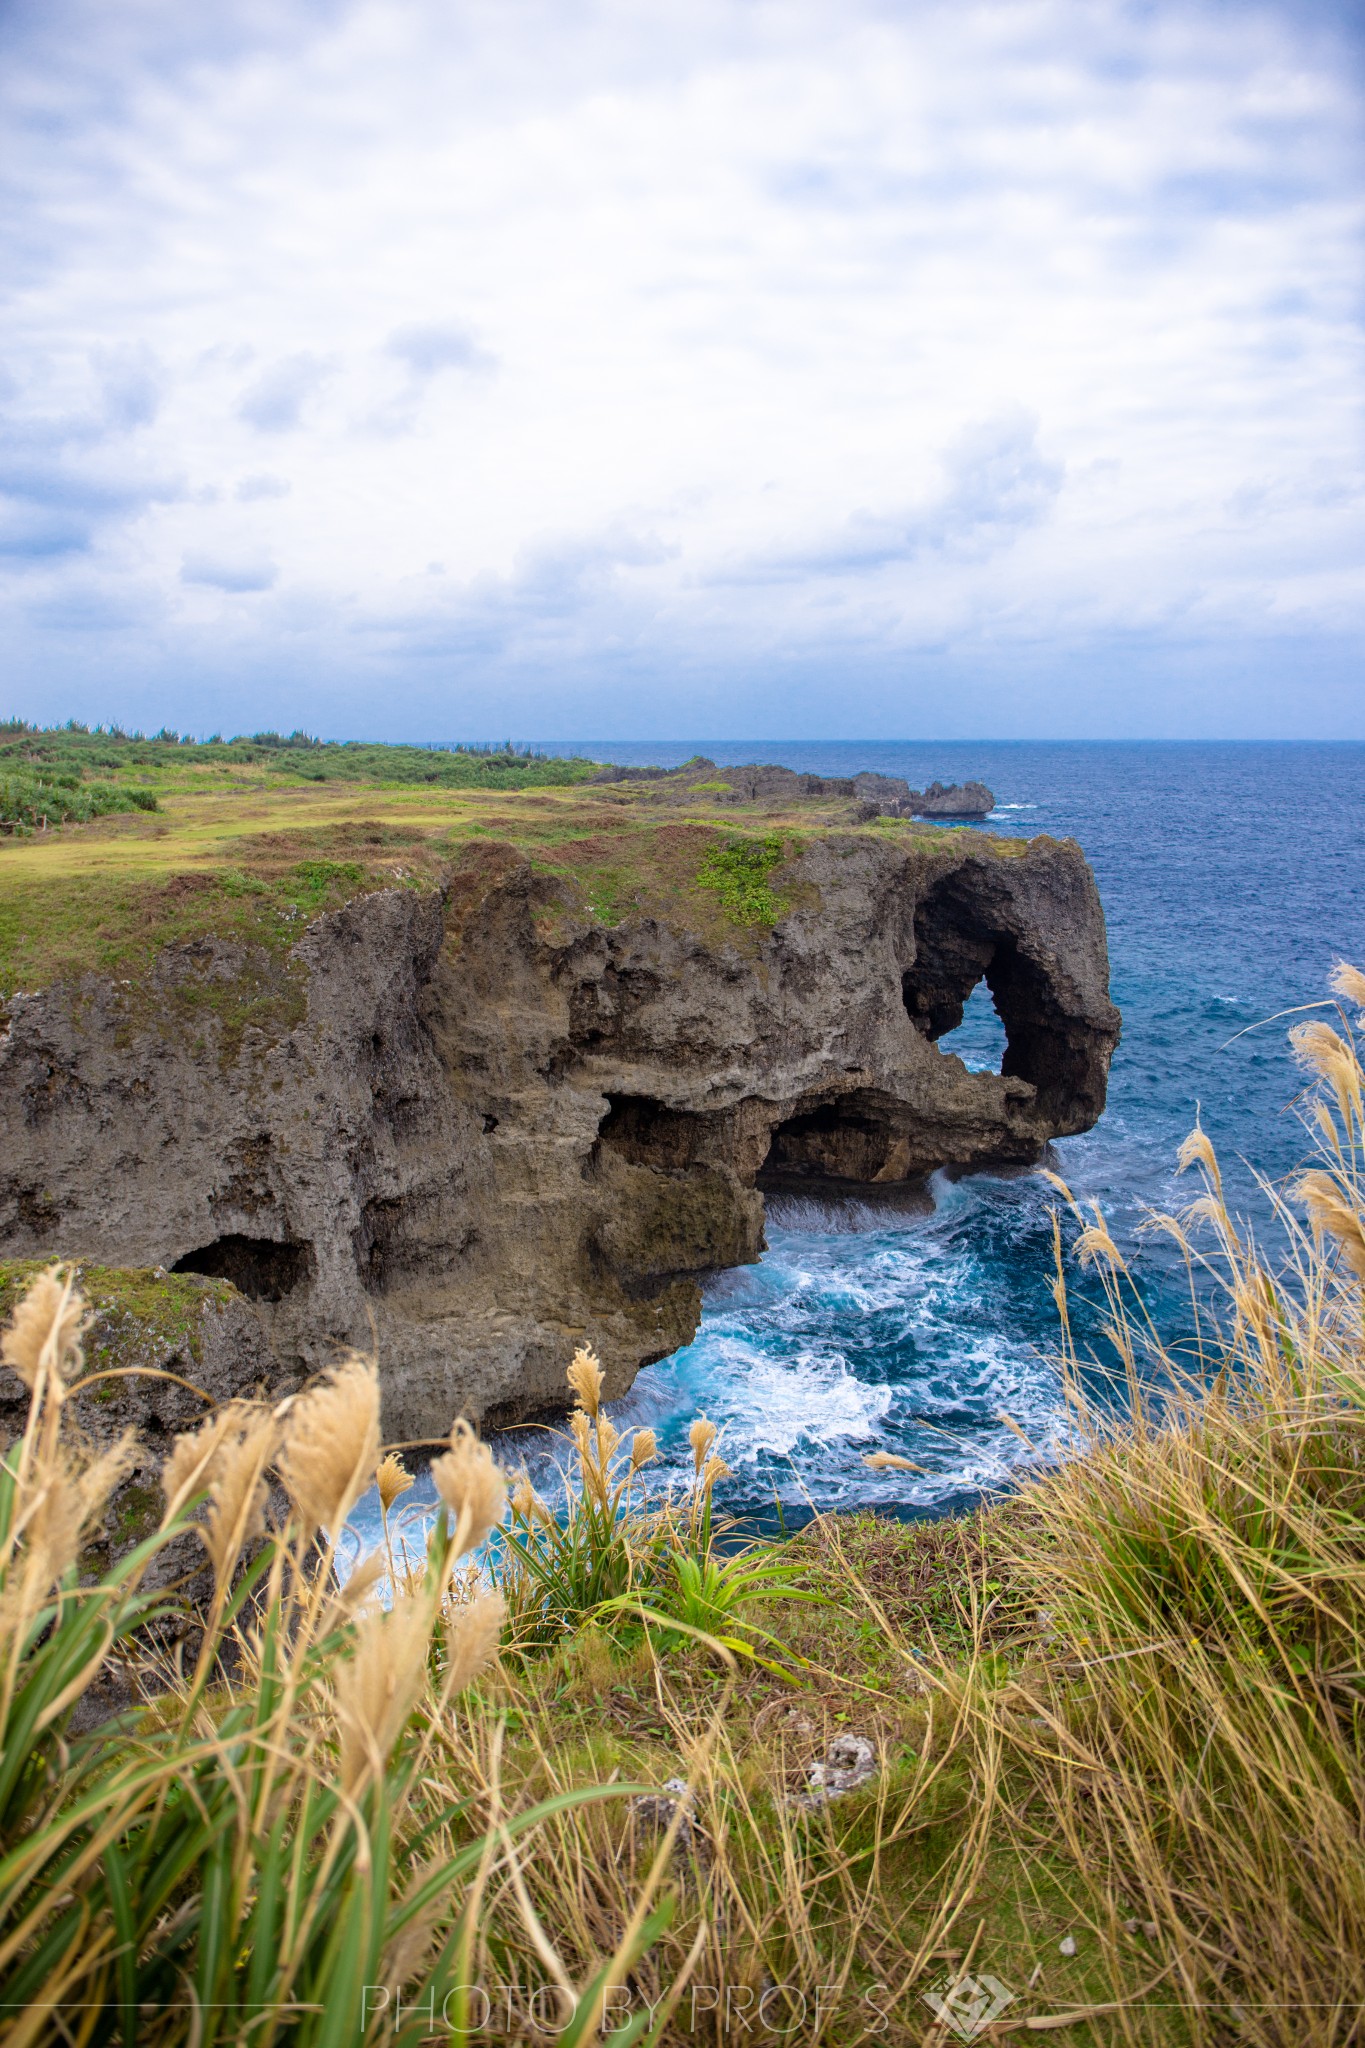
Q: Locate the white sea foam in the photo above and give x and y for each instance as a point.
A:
(863, 1328)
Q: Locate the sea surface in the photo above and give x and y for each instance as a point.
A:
(1232, 877)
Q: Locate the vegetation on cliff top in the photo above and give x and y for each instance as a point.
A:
(242, 849)
(136, 1313)
(741, 873)
(54, 776)
(1115, 1724)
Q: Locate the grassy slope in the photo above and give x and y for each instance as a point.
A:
(62, 776)
(882, 1871)
(240, 850)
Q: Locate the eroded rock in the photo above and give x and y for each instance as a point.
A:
(160, 1352)
(491, 1126)
(954, 800)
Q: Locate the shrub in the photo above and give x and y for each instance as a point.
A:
(608, 1559)
(37, 801)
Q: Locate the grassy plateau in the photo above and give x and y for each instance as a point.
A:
(250, 840)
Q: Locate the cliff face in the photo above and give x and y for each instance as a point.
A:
(502, 1127)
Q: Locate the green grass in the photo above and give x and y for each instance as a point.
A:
(741, 873)
(251, 859)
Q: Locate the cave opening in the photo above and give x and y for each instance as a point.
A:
(261, 1268)
(979, 1040)
(646, 1132)
(961, 950)
(852, 1139)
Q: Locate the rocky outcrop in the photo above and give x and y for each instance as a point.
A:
(886, 796)
(501, 1126)
(877, 796)
(890, 796)
(953, 800)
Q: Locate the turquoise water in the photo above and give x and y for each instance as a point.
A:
(1232, 877)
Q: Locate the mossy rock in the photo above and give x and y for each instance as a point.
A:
(175, 1345)
(139, 1314)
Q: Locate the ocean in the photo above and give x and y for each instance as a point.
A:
(1232, 877)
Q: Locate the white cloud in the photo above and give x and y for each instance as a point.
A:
(233, 573)
(274, 401)
(700, 341)
(260, 485)
(426, 350)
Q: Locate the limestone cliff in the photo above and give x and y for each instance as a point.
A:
(495, 1124)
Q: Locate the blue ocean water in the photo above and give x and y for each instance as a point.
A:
(1232, 876)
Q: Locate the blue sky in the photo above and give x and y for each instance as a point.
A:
(813, 369)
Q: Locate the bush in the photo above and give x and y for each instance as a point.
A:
(608, 1560)
(36, 802)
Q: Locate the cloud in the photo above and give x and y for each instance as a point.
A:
(274, 403)
(997, 484)
(66, 475)
(571, 595)
(901, 335)
(237, 573)
(133, 384)
(426, 350)
(28, 535)
(260, 485)
(86, 605)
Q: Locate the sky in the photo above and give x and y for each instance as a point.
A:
(749, 368)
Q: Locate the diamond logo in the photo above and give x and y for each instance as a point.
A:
(968, 2005)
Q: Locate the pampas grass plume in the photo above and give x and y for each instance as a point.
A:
(392, 1479)
(331, 1444)
(1324, 1053)
(471, 1486)
(376, 1689)
(226, 1458)
(580, 1429)
(189, 1468)
(1348, 981)
(701, 1436)
(237, 1488)
(1335, 1216)
(67, 1498)
(1198, 1150)
(48, 1321)
(1094, 1242)
(472, 1633)
(608, 1437)
(527, 1503)
(585, 1376)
